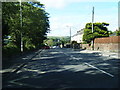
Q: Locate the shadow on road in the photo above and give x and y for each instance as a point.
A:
(58, 70)
(62, 79)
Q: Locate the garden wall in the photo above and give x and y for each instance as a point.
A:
(105, 44)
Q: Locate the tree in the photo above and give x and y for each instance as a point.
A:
(118, 32)
(50, 42)
(35, 23)
(100, 30)
(9, 11)
(55, 41)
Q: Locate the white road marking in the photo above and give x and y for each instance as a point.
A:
(5, 70)
(99, 69)
(91, 66)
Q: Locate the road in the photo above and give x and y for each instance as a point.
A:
(65, 68)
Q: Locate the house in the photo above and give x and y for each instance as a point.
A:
(78, 36)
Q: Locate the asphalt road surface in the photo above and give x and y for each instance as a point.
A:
(65, 68)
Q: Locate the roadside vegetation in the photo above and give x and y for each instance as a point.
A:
(100, 30)
(32, 25)
(57, 41)
(117, 32)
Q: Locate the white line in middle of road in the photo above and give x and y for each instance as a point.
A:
(99, 69)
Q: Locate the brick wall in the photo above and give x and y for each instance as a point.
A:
(113, 39)
(105, 44)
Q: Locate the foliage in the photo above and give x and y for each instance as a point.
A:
(50, 42)
(10, 49)
(115, 33)
(35, 23)
(55, 41)
(110, 32)
(100, 30)
(74, 42)
(118, 32)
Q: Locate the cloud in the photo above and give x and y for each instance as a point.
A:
(59, 25)
(59, 21)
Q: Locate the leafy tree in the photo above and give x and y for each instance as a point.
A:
(118, 32)
(9, 12)
(111, 32)
(35, 23)
(54, 40)
(100, 30)
(50, 42)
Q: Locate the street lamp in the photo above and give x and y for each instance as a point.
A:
(70, 32)
(21, 26)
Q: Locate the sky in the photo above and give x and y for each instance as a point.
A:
(74, 14)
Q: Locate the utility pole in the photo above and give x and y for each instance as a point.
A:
(118, 15)
(92, 28)
(70, 34)
(21, 26)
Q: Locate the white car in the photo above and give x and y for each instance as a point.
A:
(55, 47)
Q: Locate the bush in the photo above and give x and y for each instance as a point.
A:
(29, 46)
(10, 49)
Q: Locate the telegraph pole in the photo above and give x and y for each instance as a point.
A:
(92, 28)
(21, 26)
(118, 15)
(70, 34)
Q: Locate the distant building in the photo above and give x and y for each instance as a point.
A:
(78, 36)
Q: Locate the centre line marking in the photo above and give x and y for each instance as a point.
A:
(99, 69)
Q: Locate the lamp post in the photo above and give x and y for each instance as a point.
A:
(21, 26)
(70, 33)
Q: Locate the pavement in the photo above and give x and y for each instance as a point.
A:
(12, 64)
(103, 53)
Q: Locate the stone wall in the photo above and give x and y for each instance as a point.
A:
(105, 44)
(113, 39)
(114, 47)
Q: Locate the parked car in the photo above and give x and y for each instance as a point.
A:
(46, 47)
(55, 47)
